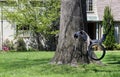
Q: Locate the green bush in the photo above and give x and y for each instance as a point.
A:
(20, 45)
(9, 44)
(116, 46)
(107, 22)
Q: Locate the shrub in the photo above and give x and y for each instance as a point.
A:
(117, 46)
(20, 45)
(7, 45)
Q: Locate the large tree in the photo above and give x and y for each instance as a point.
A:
(73, 18)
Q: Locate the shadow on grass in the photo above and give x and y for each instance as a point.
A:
(41, 66)
(105, 70)
(24, 63)
(112, 58)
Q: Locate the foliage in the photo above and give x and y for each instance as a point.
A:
(117, 46)
(35, 64)
(20, 45)
(108, 21)
(38, 15)
(8, 44)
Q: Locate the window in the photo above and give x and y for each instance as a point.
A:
(23, 31)
(89, 6)
(20, 27)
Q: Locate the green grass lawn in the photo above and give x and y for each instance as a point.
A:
(36, 64)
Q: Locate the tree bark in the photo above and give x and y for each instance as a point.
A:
(73, 18)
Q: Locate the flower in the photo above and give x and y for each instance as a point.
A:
(5, 48)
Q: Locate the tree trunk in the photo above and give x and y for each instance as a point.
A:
(38, 38)
(73, 18)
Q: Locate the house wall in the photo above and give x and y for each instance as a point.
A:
(8, 32)
(113, 4)
(93, 16)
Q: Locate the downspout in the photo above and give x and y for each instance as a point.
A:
(1, 26)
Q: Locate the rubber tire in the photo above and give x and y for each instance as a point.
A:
(90, 52)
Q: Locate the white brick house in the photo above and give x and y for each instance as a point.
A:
(7, 31)
(95, 12)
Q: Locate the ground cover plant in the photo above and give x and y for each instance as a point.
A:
(36, 64)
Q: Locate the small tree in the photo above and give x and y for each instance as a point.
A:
(38, 15)
(108, 21)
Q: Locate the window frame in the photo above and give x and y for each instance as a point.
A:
(89, 6)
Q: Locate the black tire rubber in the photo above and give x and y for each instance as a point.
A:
(90, 52)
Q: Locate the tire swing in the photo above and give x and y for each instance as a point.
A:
(101, 54)
(93, 43)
